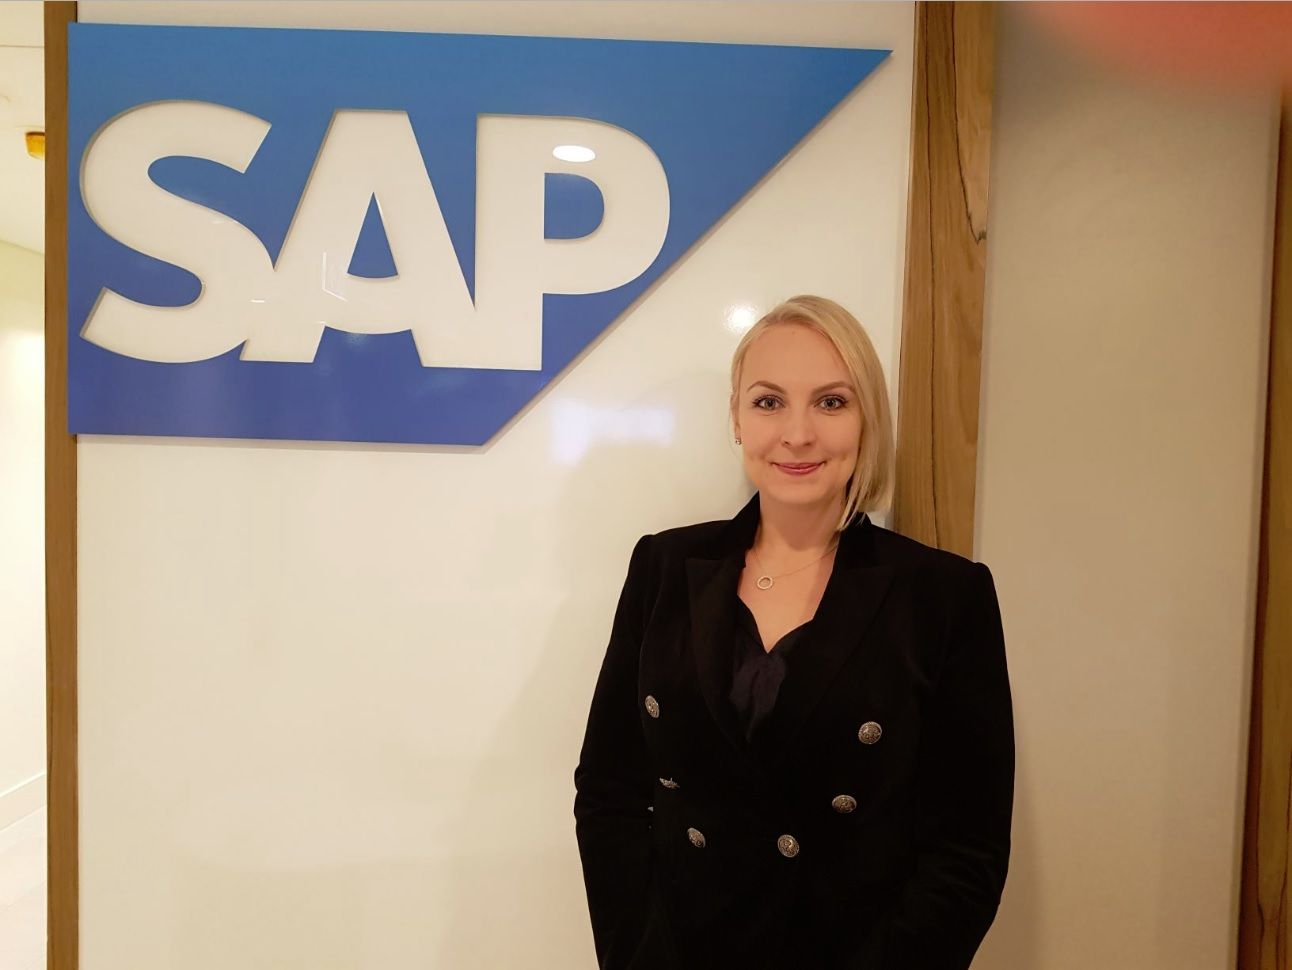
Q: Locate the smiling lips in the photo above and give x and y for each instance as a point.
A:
(798, 468)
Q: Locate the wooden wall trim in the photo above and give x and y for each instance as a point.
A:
(1265, 911)
(946, 257)
(60, 518)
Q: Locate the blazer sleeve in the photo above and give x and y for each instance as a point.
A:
(613, 784)
(964, 802)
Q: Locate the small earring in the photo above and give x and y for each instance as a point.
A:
(737, 439)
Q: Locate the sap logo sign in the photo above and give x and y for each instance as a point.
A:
(277, 311)
(366, 236)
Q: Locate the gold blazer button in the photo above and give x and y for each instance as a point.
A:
(843, 804)
(870, 732)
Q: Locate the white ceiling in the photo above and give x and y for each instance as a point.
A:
(22, 109)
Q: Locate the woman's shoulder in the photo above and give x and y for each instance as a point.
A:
(898, 549)
(939, 575)
(882, 546)
(686, 540)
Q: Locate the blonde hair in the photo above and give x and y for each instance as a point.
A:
(870, 487)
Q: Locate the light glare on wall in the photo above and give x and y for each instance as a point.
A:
(574, 153)
(741, 317)
(577, 427)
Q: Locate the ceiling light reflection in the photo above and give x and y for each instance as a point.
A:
(740, 317)
(574, 153)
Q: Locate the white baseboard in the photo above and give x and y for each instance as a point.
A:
(22, 799)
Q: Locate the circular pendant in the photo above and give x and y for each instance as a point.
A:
(764, 582)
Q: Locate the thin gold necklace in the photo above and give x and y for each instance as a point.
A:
(766, 582)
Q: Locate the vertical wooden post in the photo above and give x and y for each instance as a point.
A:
(60, 516)
(946, 255)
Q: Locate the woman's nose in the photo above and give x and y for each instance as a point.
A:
(797, 429)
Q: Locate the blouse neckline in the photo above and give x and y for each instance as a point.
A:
(751, 624)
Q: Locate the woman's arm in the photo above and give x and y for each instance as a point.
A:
(613, 784)
(964, 801)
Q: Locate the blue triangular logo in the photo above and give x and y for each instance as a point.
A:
(718, 116)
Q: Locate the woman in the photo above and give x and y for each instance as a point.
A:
(800, 748)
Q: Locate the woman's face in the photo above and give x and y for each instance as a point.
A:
(797, 416)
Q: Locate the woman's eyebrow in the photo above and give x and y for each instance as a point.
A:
(823, 387)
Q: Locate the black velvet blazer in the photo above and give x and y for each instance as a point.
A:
(871, 829)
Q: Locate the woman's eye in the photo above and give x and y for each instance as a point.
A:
(831, 403)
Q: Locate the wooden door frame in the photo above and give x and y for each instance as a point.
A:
(60, 521)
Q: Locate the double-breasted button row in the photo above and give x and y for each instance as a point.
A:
(652, 708)
(786, 845)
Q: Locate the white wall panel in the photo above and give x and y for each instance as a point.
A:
(331, 696)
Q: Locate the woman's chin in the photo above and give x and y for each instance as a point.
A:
(799, 492)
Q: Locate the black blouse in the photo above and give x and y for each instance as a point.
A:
(756, 674)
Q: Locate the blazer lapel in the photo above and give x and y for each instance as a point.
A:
(712, 579)
(712, 585)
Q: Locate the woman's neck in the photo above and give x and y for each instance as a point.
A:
(795, 531)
